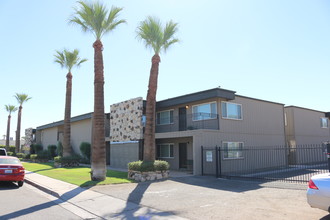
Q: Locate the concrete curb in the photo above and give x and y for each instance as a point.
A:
(42, 188)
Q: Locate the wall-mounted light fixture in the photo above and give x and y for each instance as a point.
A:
(187, 106)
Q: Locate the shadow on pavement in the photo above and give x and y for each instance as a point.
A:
(136, 197)
(8, 186)
(219, 184)
(67, 195)
(327, 217)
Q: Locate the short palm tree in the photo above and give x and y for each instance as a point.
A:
(21, 98)
(68, 60)
(10, 109)
(159, 39)
(95, 18)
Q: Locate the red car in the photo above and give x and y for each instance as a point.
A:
(11, 170)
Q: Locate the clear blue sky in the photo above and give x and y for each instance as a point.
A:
(275, 50)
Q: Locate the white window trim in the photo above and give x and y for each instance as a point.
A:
(322, 123)
(216, 110)
(233, 158)
(169, 144)
(237, 119)
(170, 119)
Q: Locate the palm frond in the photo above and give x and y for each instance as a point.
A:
(21, 98)
(10, 108)
(153, 36)
(68, 59)
(96, 18)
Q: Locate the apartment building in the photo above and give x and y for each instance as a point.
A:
(210, 118)
(81, 131)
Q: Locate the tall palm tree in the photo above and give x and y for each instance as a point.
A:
(96, 18)
(68, 60)
(10, 109)
(21, 98)
(154, 36)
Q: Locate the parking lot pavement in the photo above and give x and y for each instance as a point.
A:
(196, 197)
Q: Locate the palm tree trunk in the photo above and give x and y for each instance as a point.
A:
(98, 139)
(8, 132)
(149, 134)
(67, 117)
(18, 131)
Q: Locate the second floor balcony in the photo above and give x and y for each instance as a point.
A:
(188, 122)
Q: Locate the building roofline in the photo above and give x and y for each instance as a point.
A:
(73, 119)
(197, 96)
(293, 106)
(262, 100)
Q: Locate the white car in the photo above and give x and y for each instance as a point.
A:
(318, 193)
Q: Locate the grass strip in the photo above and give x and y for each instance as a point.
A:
(79, 176)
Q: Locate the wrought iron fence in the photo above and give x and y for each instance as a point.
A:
(280, 163)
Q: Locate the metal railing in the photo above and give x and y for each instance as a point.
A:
(277, 163)
(188, 122)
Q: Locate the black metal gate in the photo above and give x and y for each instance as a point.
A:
(276, 163)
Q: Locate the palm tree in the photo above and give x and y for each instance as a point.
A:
(21, 98)
(95, 18)
(68, 60)
(159, 39)
(10, 109)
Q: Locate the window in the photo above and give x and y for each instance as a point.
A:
(143, 120)
(233, 150)
(165, 117)
(231, 110)
(205, 111)
(324, 122)
(165, 150)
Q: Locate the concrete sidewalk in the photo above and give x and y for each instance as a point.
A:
(89, 204)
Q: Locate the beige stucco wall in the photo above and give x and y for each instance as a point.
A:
(304, 126)
(81, 131)
(48, 136)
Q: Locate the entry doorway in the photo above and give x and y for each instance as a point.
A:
(183, 155)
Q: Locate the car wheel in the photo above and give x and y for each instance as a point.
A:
(20, 183)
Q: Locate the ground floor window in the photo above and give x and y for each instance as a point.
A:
(233, 150)
(165, 150)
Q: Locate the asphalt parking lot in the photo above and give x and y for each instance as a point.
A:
(200, 197)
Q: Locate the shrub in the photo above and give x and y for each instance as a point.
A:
(33, 156)
(26, 156)
(36, 148)
(10, 153)
(135, 165)
(85, 161)
(59, 149)
(58, 159)
(69, 161)
(11, 149)
(20, 155)
(52, 150)
(85, 149)
(161, 165)
(43, 154)
(157, 165)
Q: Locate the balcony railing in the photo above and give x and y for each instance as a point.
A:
(189, 122)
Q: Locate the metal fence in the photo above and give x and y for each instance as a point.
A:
(277, 163)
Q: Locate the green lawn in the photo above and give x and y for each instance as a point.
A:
(78, 175)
